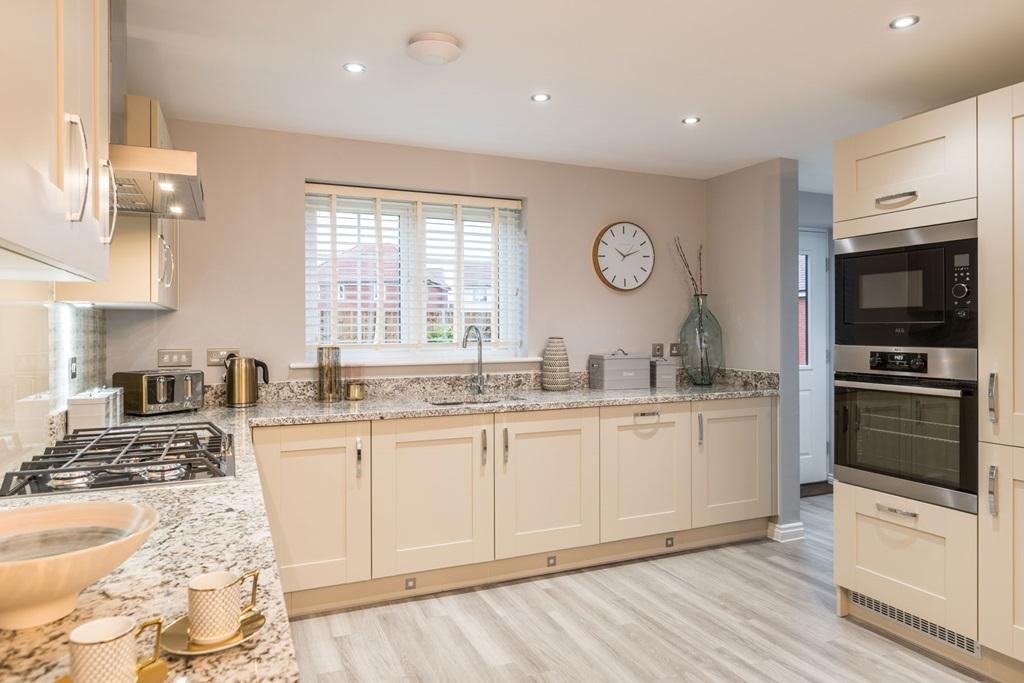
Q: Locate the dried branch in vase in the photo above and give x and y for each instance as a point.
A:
(696, 282)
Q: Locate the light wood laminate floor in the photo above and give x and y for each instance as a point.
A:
(760, 611)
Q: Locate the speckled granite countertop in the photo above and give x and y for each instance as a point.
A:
(223, 525)
(311, 412)
(202, 527)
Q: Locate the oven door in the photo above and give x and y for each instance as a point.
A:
(917, 439)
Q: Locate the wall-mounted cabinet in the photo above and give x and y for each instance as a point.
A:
(143, 268)
(316, 487)
(54, 57)
(732, 460)
(920, 171)
(645, 470)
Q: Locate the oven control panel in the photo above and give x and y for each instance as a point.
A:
(898, 361)
(962, 285)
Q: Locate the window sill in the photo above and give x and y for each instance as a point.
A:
(413, 360)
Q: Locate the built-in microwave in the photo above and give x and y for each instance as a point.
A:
(916, 287)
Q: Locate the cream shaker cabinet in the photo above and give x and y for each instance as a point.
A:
(732, 460)
(316, 487)
(918, 557)
(915, 172)
(433, 493)
(645, 470)
(54, 143)
(1001, 266)
(546, 491)
(1000, 549)
(143, 267)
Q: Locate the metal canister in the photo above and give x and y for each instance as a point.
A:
(331, 383)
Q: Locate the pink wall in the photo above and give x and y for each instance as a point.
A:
(241, 269)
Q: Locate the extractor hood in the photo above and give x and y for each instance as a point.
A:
(160, 181)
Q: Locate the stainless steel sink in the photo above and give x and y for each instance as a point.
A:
(471, 399)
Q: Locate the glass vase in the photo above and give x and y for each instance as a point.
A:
(700, 343)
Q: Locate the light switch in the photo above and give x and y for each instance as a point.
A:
(174, 358)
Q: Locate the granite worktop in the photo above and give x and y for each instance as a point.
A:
(223, 524)
(202, 527)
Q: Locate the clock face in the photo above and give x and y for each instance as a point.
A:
(623, 256)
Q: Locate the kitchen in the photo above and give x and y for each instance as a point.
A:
(350, 352)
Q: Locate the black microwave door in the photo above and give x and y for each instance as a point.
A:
(894, 288)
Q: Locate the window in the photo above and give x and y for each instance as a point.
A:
(387, 269)
(802, 308)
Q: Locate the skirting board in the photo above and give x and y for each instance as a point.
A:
(784, 533)
(991, 663)
(391, 588)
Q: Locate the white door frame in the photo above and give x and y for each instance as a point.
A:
(830, 344)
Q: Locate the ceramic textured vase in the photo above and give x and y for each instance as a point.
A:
(554, 370)
(700, 343)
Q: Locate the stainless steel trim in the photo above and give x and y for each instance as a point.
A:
(993, 377)
(899, 388)
(359, 457)
(943, 363)
(993, 481)
(648, 413)
(505, 445)
(880, 202)
(896, 511)
(931, 234)
(700, 428)
(483, 447)
(926, 493)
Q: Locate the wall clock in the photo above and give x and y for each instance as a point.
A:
(623, 256)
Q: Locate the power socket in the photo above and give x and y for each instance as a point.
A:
(174, 358)
(216, 357)
(657, 350)
(410, 584)
(673, 349)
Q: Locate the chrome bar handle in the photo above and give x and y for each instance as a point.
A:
(112, 226)
(880, 202)
(993, 485)
(648, 413)
(505, 446)
(700, 428)
(76, 120)
(896, 511)
(993, 379)
(483, 447)
(359, 456)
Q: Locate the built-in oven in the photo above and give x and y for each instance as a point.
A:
(906, 422)
(913, 287)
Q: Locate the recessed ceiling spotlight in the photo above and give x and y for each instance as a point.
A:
(166, 186)
(175, 209)
(691, 120)
(434, 49)
(354, 68)
(905, 21)
(540, 97)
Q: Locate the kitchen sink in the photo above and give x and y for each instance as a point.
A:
(471, 399)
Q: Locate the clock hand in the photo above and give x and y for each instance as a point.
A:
(623, 256)
(629, 254)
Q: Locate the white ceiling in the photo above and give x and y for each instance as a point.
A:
(769, 77)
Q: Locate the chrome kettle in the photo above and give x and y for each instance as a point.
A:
(242, 378)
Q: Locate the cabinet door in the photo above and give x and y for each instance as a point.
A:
(732, 460)
(645, 470)
(923, 161)
(101, 199)
(1000, 547)
(1001, 261)
(433, 493)
(918, 557)
(546, 492)
(316, 487)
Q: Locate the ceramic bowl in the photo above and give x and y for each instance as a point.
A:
(49, 553)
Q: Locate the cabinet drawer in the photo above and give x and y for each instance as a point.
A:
(922, 161)
(919, 557)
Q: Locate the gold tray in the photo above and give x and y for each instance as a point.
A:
(154, 673)
(176, 641)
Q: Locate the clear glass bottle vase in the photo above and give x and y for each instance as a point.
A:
(700, 343)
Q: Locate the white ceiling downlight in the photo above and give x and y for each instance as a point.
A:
(354, 68)
(691, 120)
(906, 21)
(540, 97)
(434, 49)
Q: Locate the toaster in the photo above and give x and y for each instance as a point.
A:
(155, 392)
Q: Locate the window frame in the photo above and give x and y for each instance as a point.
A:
(508, 346)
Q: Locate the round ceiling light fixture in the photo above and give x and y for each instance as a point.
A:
(540, 97)
(691, 120)
(354, 68)
(903, 22)
(434, 49)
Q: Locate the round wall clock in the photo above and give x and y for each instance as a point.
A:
(623, 256)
